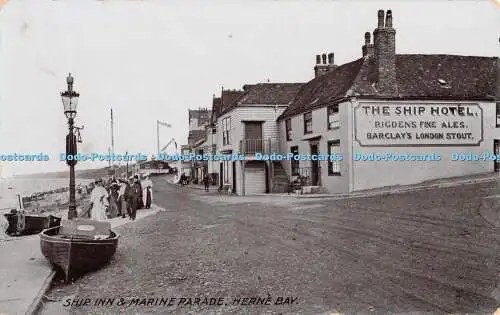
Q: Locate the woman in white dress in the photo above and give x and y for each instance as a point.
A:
(99, 201)
(147, 183)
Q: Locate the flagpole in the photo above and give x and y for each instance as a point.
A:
(112, 142)
(158, 135)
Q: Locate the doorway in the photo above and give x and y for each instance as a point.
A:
(221, 174)
(234, 176)
(314, 165)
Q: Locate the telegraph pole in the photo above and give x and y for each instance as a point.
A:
(112, 142)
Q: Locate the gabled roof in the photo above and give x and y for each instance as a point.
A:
(266, 94)
(430, 77)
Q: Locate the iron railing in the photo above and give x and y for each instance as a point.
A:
(252, 146)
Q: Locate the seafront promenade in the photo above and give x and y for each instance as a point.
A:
(25, 274)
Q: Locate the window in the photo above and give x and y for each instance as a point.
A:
(288, 126)
(334, 166)
(498, 113)
(226, 127)
(333, 117)
(294, 163)
(308, 123)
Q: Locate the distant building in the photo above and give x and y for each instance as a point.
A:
(184, 166)
(198, 118)
(413, 106)
(153, 167)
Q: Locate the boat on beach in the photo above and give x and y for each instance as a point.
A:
(26, 224)
(79, 246)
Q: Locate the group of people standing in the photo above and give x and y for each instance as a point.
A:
(120, 198)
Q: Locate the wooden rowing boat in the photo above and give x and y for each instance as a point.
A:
(20, 224)
(79, 246)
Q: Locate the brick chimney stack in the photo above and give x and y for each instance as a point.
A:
(367, 48)
(324, 63)
(384, 37)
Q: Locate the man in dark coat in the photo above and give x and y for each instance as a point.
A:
(131, 194)
(148, 197)
(206, 181)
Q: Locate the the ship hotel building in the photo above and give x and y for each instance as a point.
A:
(393, 103)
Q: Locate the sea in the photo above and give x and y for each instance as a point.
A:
(11, 187)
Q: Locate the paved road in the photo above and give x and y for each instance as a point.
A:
(427, 251)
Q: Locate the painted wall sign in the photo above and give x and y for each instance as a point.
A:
(390, 124)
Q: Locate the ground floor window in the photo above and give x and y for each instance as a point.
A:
(334, 166)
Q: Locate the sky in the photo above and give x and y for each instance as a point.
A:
(155, 59)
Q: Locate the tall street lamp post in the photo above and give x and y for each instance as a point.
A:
(70, 103)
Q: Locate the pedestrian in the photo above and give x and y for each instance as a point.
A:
(148, 197)
(113, 199)
(131, 200)
(206, 181)
(138, 190)
(99, 201)
(122, 198)
(148, 189)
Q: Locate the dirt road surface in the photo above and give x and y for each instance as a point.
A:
(421, 252)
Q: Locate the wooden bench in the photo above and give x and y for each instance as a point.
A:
(86, 229)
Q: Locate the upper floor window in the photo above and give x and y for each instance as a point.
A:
(333, 117)
(226, 127)
(288, 126)
(308, 123)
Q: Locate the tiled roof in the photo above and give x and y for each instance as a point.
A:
(418, 76)
(195, 136)
(270, 93)
(229, 97)
(266, 94)
(325, 88)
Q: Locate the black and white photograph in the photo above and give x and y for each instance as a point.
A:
(249, 157)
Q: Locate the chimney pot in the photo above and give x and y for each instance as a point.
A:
(324, 58)
(367, 38)
(318, 59)
(380, 18)
(388, 19)
(330, 58)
